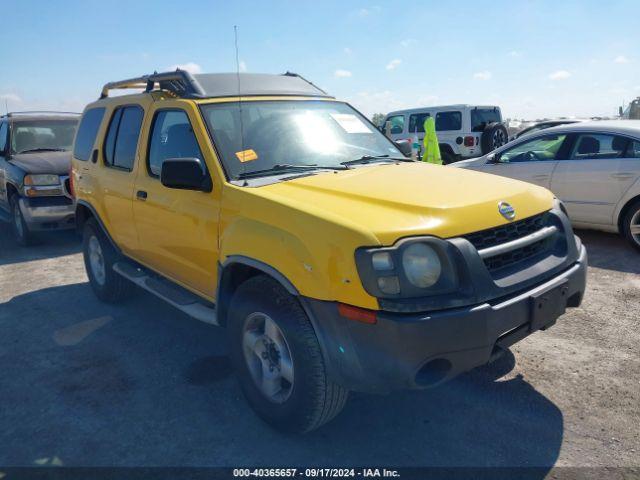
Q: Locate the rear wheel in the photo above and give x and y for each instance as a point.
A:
(631, 225)
(277, 357)
(447, 157)
(99, 257)
(21, 232)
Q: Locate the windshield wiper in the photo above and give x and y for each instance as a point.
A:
(284, 167)
(30, 150)
(375, 158)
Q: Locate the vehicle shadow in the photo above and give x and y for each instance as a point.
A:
(142, 384)
(610, 251)
(48, 245)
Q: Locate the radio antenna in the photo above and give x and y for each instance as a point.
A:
(243, 153)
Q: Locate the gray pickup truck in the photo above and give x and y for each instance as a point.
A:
(35, 157)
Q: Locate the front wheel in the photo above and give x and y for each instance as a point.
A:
(21, 232)
(631, 225)
(276, 354)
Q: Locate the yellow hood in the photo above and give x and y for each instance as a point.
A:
(391, 201)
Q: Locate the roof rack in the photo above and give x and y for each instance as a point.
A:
(294, 74)
(179, 82)
(38, 112)
(218, 85)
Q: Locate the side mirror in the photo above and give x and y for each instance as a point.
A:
(493, 158)
(404, 146)
(185, 174)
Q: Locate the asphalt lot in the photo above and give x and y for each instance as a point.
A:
(89, 384)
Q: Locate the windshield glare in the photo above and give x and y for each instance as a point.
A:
(37, 135)
(291, 132)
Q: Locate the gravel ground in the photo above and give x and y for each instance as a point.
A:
(89, 384)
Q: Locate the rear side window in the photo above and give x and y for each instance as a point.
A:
(634, 150)
(86, 136)
(481, 117)
(122, 138)
(596, 146)
(171, 137)
(446, 121)
(397, 124)
(416, 122)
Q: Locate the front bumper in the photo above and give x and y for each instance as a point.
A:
(420, 350)
(48, 213)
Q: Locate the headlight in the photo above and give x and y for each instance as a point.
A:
(421, 265)
(412, 268)
(42, 180)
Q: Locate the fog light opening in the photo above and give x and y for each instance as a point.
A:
(433, 372)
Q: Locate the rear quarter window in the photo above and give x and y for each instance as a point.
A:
(448, 121)
(87, 131)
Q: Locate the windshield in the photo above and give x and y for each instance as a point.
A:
(481, 117)
(42, 135)
(291, 133)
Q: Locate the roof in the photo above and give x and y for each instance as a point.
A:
(457, 106)
(215, 85)
(628, 127)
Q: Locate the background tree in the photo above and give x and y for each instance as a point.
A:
(377, 119)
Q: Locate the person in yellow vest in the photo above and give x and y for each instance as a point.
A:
(431, 152)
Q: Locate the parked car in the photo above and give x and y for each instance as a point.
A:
(334, 262)
(593, 167)
(35, 160)
(544, 125)
(464, 131)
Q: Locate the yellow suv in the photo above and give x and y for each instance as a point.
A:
(261, 204)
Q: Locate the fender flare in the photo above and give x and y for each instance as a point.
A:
(95, 215)
(263, 267)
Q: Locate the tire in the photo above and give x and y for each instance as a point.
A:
(632, 219)
(495, 135)
(310, 399)
(97, 250)
(447, 157)
(19, 227)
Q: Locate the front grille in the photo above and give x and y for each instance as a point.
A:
(507, 233)
(515, 256)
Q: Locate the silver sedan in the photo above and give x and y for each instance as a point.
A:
(593, 167)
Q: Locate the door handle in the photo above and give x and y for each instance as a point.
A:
(141, 195)
(541, 177)
(622, 175)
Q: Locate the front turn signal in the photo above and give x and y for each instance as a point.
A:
(358, 314)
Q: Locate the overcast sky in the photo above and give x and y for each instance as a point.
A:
(533, 58)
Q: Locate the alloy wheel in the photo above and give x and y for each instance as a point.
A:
(96, 260)
(634, 227)
(499, 138)
(268, 357)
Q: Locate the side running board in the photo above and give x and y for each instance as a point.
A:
(171, 293)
